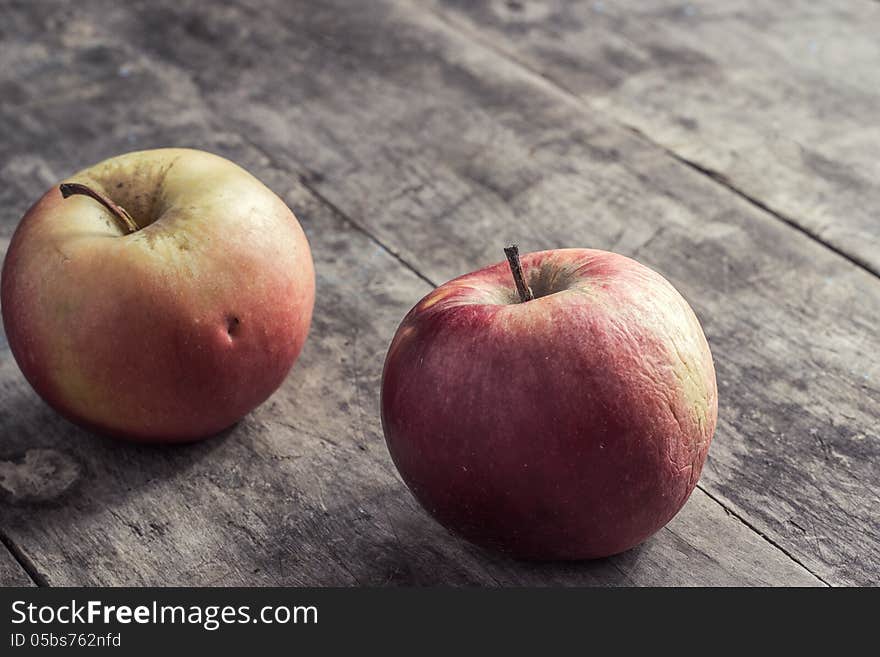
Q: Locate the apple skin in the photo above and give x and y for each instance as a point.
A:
(571, 426)
(175, 331)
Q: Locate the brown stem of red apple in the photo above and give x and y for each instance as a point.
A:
(126, 223)
(524, 291)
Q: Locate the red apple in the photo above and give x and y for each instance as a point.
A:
(166, 297)
(570, 426)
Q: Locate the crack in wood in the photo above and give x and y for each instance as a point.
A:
(769, 540)
(23, 560)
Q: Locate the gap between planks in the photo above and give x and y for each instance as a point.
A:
(22, 560)
(769, 540)
(330, 205)
(560, 89)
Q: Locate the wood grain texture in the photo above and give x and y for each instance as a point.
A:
(445, 151)
(302, 492)
(777, 99)
(432, 145)
(11, 572)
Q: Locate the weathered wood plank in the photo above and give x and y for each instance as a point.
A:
(302, 491)
(11, 572)
(445, 150)
(779, 99)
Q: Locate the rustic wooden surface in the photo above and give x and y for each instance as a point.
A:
(413, 139)
(774, 99)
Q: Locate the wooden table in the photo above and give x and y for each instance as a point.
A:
(734, 147)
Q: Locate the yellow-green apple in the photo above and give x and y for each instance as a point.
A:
(159, 295)
(557, 409)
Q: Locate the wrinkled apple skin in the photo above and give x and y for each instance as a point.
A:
(170, 333)
(572, 426)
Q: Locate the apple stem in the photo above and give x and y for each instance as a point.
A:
(126, 223)
(524, 291)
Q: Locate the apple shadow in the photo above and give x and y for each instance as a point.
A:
(605, 571)
(402, 545)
